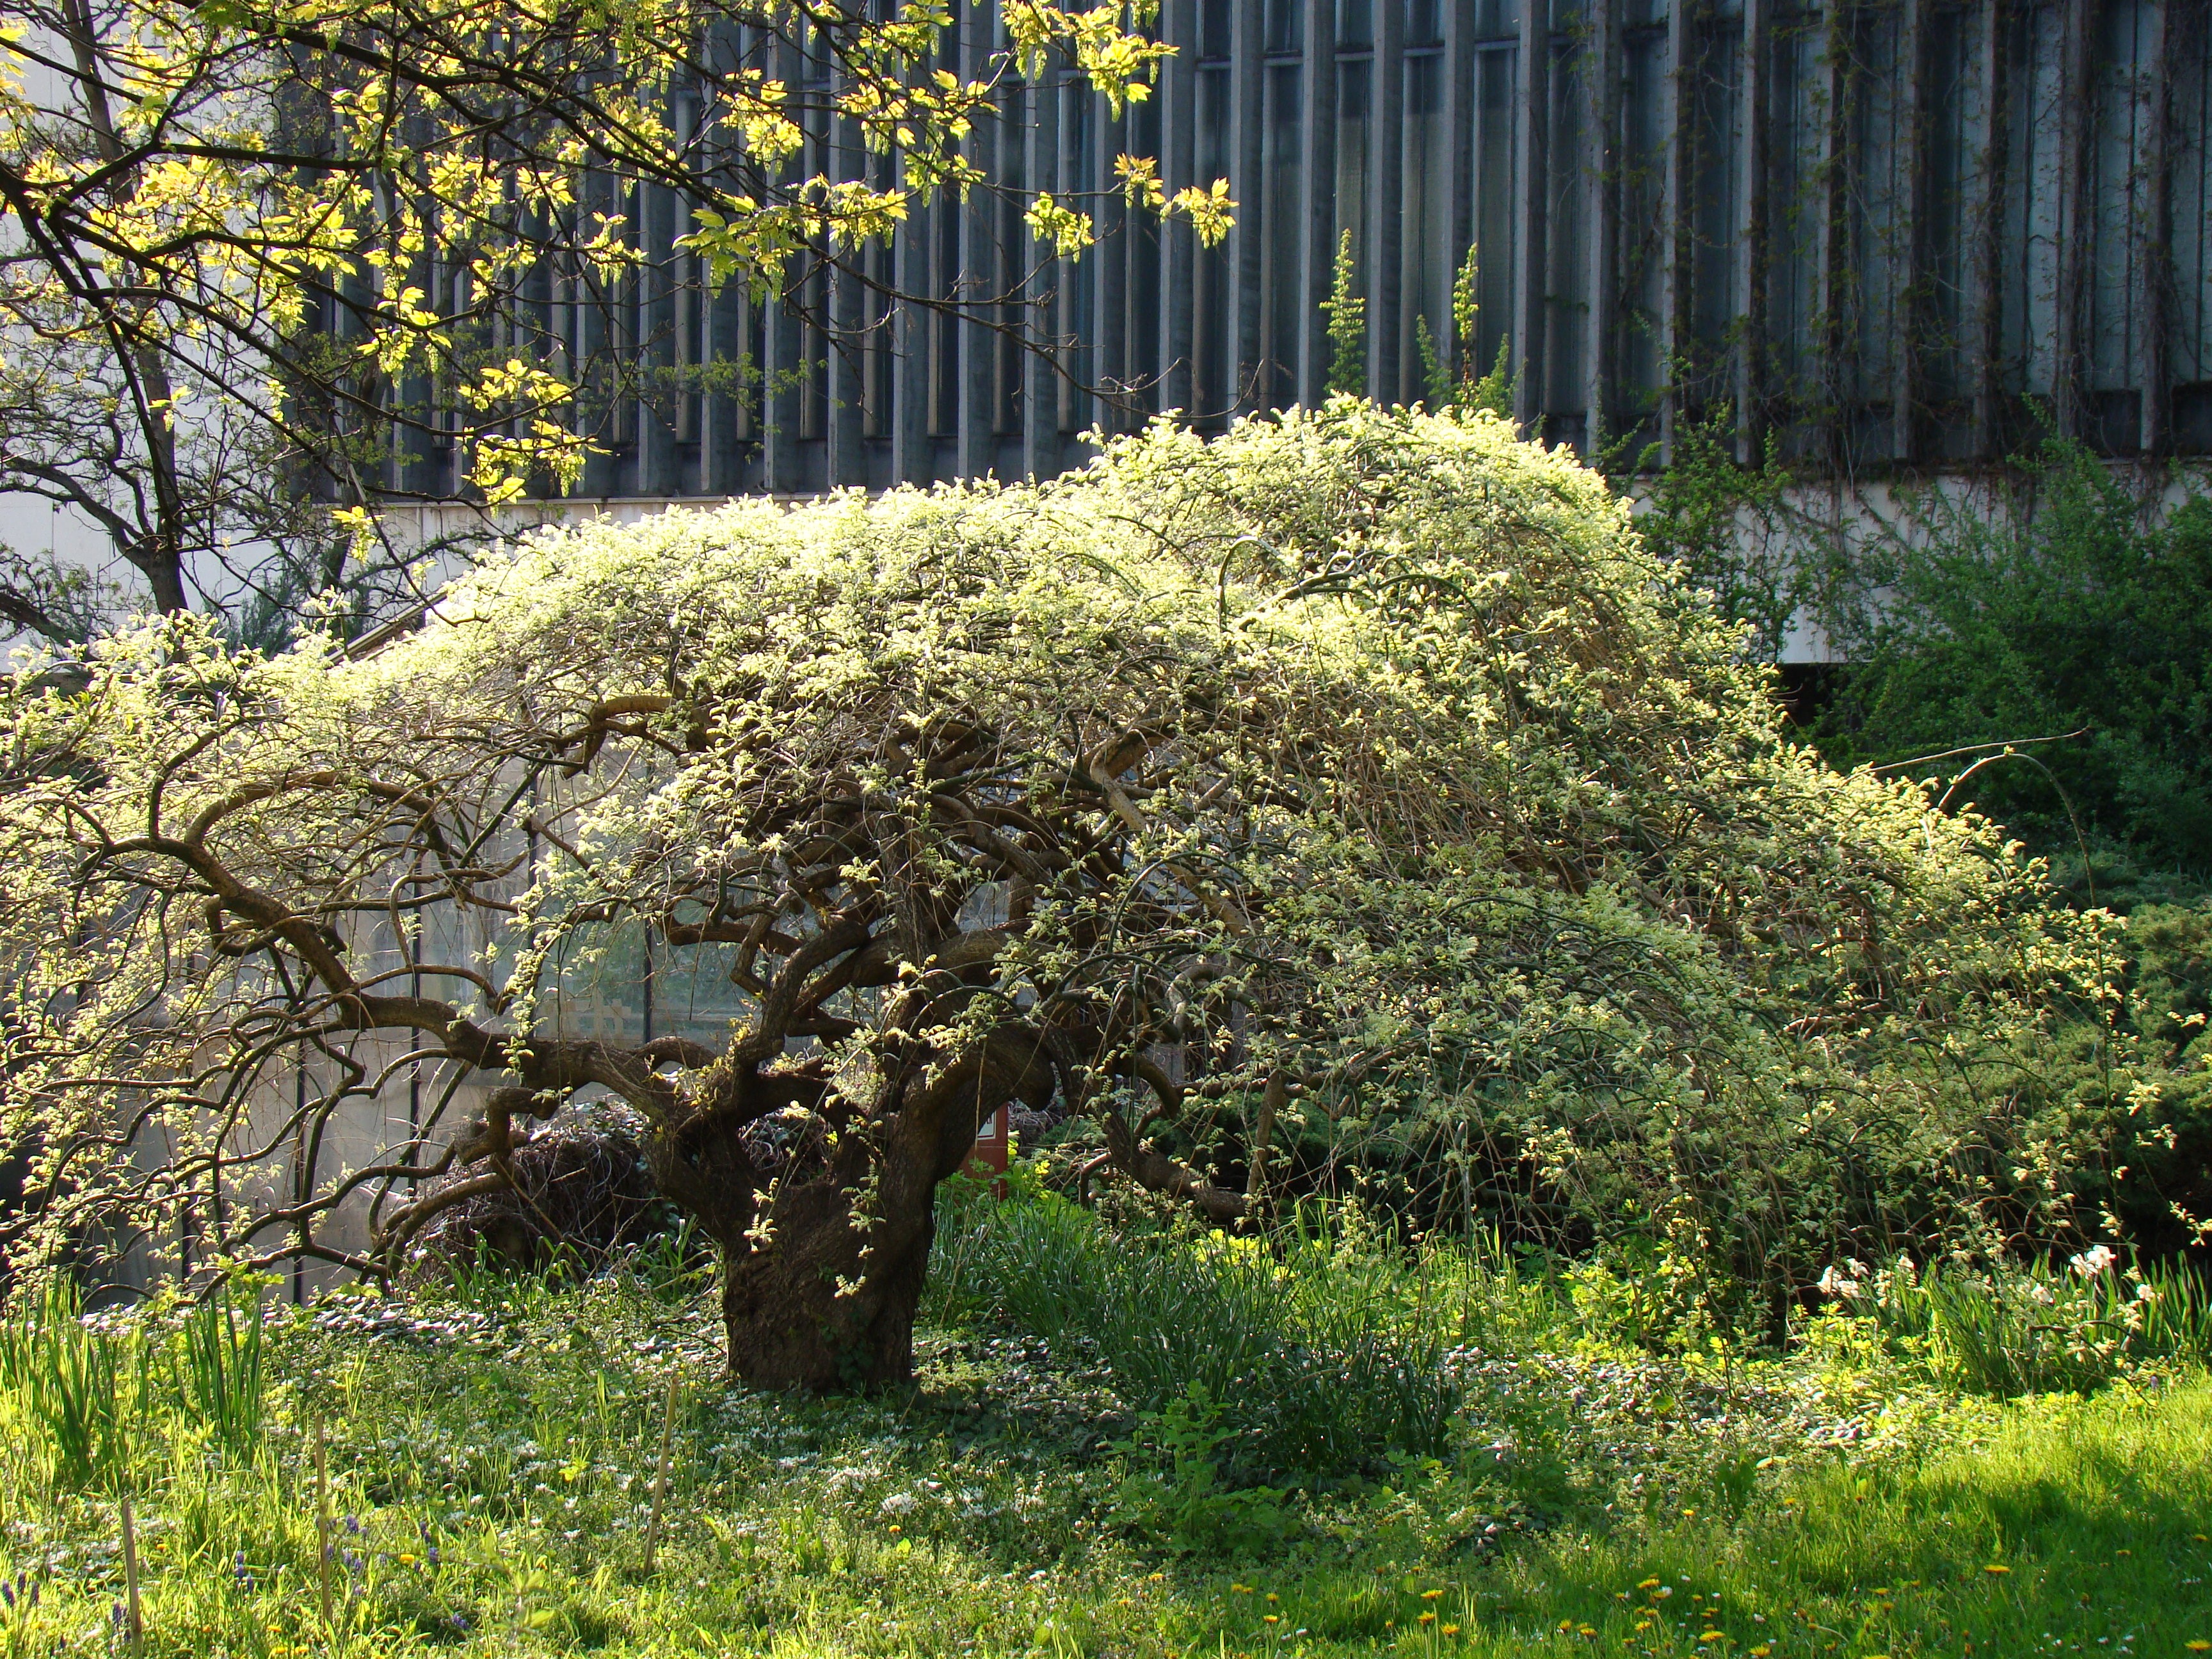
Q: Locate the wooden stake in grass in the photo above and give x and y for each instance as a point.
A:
(660, 1479)
(323, 1521)
(134, 1628)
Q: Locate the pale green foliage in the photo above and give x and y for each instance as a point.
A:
(263, 250)
(1419, 781)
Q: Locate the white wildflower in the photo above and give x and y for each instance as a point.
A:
(2097, 1259)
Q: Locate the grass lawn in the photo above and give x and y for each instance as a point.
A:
(492, 1463)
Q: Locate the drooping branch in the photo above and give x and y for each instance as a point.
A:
(1151, 1169)
(1156, 1172)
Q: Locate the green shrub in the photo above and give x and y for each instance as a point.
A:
(1728, 528)
(2067, 607)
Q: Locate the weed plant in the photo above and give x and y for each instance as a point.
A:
(1176, 1492)
(219, 1364)
(78, 1393)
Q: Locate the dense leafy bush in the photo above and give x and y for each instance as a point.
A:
(2132, 1098)
(1608, 955)
(2064, 605)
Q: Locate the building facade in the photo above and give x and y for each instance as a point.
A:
(1877, 234)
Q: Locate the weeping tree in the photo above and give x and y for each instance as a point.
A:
(1351, 766)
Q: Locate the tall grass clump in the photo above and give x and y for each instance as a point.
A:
(1325, 1346)
(219, 1366)
(2040, 1329)
(79, 1390)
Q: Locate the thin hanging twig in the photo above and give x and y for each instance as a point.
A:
(1977, 749)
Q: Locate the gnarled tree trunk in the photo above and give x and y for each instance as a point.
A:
(821, 1290)
(803, 1311)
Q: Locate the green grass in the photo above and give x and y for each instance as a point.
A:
(496, 1455)
(1331, 1348)
(2056, 1527)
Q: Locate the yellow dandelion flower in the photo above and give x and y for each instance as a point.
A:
(1996, 1570)
(2198, 1646)
(1241, 1589)
(1649, 1583)
(1760, 1651)
(1430, 1596)
(1448, 1630)
(1711, 1636)
(1427, 1618)
(1643, 1624)
(1272, 1596)
(1585, 1630)
(1275, 1618)
(409, 1560)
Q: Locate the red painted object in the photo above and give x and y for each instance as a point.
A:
(993, 1142)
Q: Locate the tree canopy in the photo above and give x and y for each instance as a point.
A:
(1355, 776)
(258, 257)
